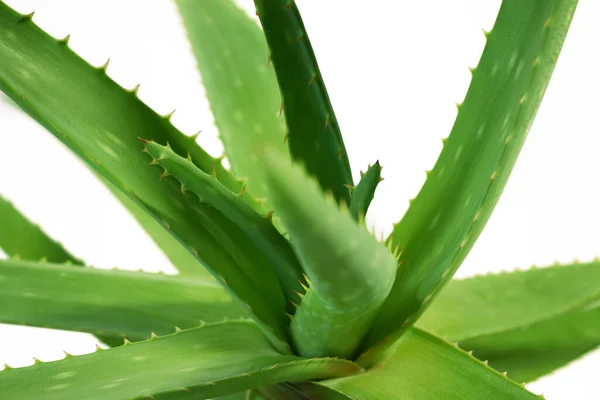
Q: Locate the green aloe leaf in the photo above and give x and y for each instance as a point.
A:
(101, 124)
(448, 214)
(245, 101)
(363, 193)
(420, 366)
(214, 360)
(218, 201)
(350, 274)
(525, 322)
(314, 134)
(108, 302)
(20, 238)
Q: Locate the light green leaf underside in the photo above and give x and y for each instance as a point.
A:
(101, 122)
(349, 271)
(232, 54)
(279, 260)
(20, 238)
(465, 184)
(420, 366)
(314, 134)
(363, 193)
(179, 256)
(210, 361)
(108, 302)
(525, 322)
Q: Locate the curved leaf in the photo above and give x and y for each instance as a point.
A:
(278, 255)
(205, 362)
(461, 191)
(363, 193)
(349, 271)
(314, 134)
(104, 302)
(101, 124)
(244, 100)
(525, 322)
(420, 366)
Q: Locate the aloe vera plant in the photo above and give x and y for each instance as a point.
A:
(283, 293)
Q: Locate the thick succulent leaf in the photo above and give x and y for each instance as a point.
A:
(447, 216)
(108, 302)
(420, 366)
(525, 322)
(231, 52)
(100, 122)
(363, 193)
(542, 348)
(349, 271)
(219, 201)
(30, 56)
(314, 134)
(180, 257)
(209, 361)
(20, 238)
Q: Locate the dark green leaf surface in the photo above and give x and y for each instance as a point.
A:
(101, 122)
(420, 366)
(363, 193)
(525, 322)
(278, 255)
(314, 134)
(349, 271)
(232, 53)
(20, 238)
(447, 216)
(209, 361)
(103, 302)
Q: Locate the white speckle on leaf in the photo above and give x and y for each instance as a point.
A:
(512, 60)
(480, 131)
(64, 375)
(107, 150)
(109, 385)
(518, 70)
(458, 152)
(468, 200)
(442, 170)
(494, 70)
(114, 138)
(435, 220)
(57, 387)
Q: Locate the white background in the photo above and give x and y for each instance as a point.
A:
(394, 70)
